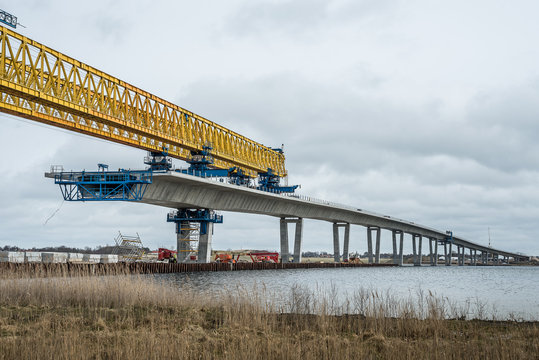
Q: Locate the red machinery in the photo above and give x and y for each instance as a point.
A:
(266, 257)
(165, 254)
(225, 258)
(256, 257)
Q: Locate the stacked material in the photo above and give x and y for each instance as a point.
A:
(54, 257)
(91, 258)
(12, 256)
(109, 259)
(75, 257)
(32, 257)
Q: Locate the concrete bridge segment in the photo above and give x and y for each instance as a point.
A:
(176, 190)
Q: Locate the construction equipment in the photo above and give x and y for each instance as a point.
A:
(128, 248)
(8, 19)
(225, 258)
(256, 257)
(166, 254)
(41, 84)
(264, 257)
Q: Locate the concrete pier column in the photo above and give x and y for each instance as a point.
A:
(183, 240)
(471, 256)
(204, 244)
(435, 252)
(285, 254)
(336, 245)
(420, 251)
(417, 245)
(401, 247)
(298, 241)
(431, 253)
(346, 246)
(450, 255)
(377, 258)
(369, 244)
(394, 241)
(414, 248)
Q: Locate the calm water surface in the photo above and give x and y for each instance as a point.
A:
(505, 291)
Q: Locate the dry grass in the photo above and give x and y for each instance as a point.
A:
(133, 317)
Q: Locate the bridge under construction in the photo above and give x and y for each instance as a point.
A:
(227, 171)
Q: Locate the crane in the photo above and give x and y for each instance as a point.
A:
(44, 85)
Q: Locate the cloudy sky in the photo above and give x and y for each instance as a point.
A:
(424, 110)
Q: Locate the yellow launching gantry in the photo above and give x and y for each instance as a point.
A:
(41, 84)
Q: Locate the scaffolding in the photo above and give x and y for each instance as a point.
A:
(128, 248)
(188, 241)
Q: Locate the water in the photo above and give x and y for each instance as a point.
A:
(502, 292)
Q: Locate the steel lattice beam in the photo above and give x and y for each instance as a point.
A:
(41, 84)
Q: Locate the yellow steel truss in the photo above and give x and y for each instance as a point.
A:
(41, 84)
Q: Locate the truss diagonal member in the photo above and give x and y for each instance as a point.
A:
(41, 84)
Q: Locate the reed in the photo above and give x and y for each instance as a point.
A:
(138, 317)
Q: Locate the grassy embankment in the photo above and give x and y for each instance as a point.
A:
(131, 317)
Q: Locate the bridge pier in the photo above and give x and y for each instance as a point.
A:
(204, 244)
(448, 253)
(285, 252)
(394, 242)
(194, 225)
(397, 254)
(370, 229)
(435, 252)
(336, 243)
(433, 255)
(183, 241)
(346, 246)
(417, 241)
(298, 241)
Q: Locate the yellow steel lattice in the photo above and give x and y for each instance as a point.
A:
(41, 84)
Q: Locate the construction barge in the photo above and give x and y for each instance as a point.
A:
(10, 270)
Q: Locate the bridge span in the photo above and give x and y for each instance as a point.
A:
(176, 190)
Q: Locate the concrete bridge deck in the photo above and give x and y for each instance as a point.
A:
(177, 190)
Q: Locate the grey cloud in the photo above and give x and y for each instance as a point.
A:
(298, 18)
(406, 162)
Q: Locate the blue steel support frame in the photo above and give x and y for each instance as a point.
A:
(202, 216)
(121, 185)
(8, 19)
